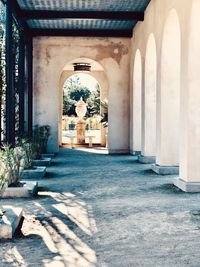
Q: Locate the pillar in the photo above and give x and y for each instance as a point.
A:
(168, 98)
(149, 105)
(189, 177)
(10, 91)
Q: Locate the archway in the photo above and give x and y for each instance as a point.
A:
(96, 74)
(77, 86)
(149, 102)
(168, 111)
(137, 102)
(190, 108)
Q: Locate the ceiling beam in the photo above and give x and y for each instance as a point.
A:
(17, 15)
(86, 33)
(46, 14)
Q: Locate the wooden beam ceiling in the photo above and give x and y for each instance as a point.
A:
(46, 14)
(78, 32)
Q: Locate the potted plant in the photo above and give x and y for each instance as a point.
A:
(104, 114)
(71, 125)
(27, 148)
(13, 164)
(40, 139)
(30, 170)
(3, 185)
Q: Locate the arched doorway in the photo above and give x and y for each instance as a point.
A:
(149, 103)
(86, 81)
(168, 107)
(77, 86)
(137, 102)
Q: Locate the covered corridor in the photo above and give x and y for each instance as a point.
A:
(101, 210)
(123, 203)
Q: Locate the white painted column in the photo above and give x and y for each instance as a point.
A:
(189, 180)
(137, 102)
(168, 98)
(149, 105)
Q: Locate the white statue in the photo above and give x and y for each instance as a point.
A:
(81, 108)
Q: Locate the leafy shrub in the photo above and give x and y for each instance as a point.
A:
(40, 139)
(3, 180)
(13, 164)
(28, 153)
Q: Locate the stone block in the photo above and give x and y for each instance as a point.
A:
(165, 170)
(189, 187)
(36, 173)
(42, 162)
(10, 221)
(146, 159)
(28, 189)
(48, 155)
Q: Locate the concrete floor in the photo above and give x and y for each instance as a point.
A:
(102, 210)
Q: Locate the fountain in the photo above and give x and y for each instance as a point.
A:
(81, 109)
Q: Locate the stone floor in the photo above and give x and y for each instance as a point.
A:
(102, 210)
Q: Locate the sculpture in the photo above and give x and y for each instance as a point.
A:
(81, 109)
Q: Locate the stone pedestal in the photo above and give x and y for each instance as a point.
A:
(190, 187)
(10, 221)
(42, 162)
(165, 170)
(28, 189)
(80, 129)
(36, 173)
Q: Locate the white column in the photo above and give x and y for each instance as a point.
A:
(137, 95)
(149, 105)
(167, 155)
(189, 180)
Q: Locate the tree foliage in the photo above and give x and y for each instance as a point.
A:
(73, 91)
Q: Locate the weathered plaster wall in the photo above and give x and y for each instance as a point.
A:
(51, 54)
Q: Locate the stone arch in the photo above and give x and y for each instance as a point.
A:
(137, 101)
(169, 96)
(98, 73)
(149, 102)
(190, 108)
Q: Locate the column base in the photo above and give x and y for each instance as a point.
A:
(135, 153)
(165, 170)
(146, 159)
(189, 187)
(118, 151)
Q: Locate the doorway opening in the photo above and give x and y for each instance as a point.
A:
(81, 88)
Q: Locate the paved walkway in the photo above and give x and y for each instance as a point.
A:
(101, 210)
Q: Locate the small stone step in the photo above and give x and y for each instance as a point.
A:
(36, 173)
(42, 162)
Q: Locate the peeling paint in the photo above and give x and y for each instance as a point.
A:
(114, 50)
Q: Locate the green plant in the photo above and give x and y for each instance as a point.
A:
(12, 160)
(40, 139)
(3, 178)
(72, 125)
(28, 151)
(104, 115)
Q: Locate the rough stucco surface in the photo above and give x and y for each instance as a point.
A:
(51, 54)
(108, 211)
